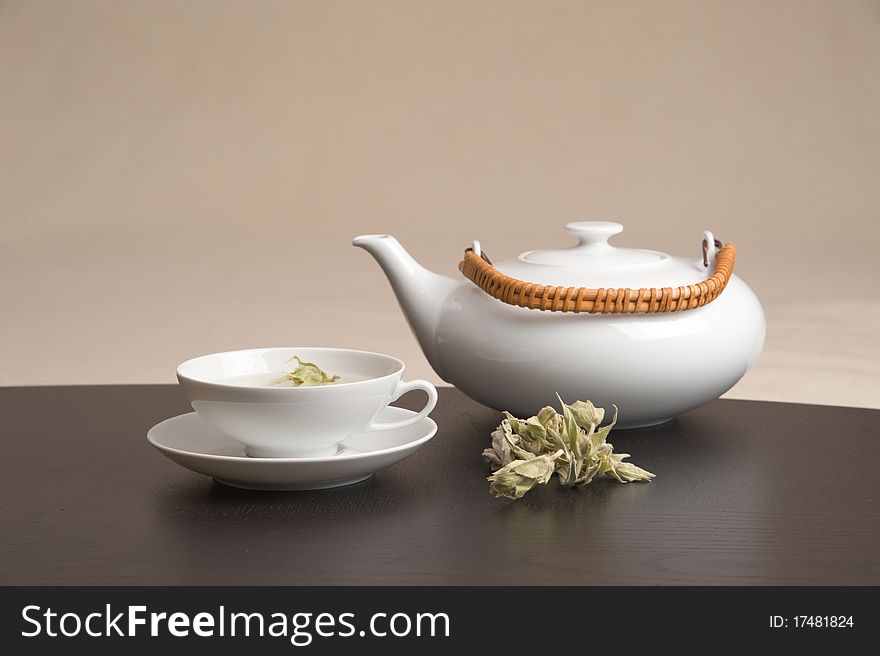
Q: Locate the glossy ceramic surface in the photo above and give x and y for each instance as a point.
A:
(509, 358)
(275, 421)
(196, 445)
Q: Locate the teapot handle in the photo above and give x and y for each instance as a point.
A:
(477, 267)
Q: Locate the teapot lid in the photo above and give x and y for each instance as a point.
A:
(593, 262)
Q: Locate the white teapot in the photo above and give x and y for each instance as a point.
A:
(655, 335)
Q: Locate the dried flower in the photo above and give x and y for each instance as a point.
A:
(519, 476)
(525, 453)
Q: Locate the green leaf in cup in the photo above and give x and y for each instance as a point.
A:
(307, 374)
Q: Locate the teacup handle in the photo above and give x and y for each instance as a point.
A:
(402, 388)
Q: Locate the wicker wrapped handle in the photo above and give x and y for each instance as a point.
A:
(478, 268)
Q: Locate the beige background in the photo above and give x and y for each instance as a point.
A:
(183, 177)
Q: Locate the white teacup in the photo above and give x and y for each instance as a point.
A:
(237, 393)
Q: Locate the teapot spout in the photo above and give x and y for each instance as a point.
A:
(420, 292)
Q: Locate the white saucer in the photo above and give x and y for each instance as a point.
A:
(189, 441)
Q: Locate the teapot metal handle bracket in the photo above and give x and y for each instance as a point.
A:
(477, 250)
(710, 247)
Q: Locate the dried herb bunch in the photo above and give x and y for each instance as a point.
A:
(527, 452)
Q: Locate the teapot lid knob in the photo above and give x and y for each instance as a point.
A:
(594, 233)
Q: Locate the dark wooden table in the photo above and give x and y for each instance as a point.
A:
(746, 493)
